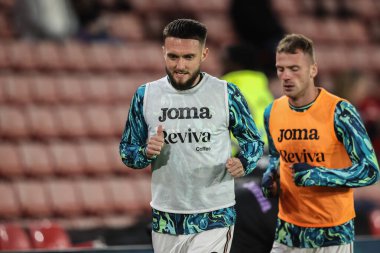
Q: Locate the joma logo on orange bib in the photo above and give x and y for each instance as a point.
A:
(298, 134)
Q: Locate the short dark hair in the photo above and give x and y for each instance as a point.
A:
(186, 29)
(293, 42)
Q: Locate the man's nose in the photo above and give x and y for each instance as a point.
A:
(285, 75)
(181, 63)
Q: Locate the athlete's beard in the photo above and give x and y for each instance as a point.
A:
(183, 86)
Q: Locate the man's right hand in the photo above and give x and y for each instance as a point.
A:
(155, 143)
(269, 185)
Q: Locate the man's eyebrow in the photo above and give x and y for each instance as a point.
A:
(184, 55)
(291, 66)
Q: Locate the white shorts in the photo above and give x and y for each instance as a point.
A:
(281, 248)
(216, 240)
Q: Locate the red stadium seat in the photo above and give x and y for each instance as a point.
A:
(73, 56)
(44, 89)
(64, 197)
(66, 160)
(124, 195)
(48, 57)
(94, 196)
(286, 7)
(143, 56)
(4, 62)
(123, 87)
(95, 158)
(21, 55)
(329, 30)
(375, 58)
(9, 206)
(366, 9)
(303, 24)
(144, 7)
(331, 59)
(48, 235)
(119, 115)
(71, 122)
(214, 23)
(99, 121)
(99, 57)
(359, 57)
(374, 222)
(144, 190)
(13, 237)
(42, 122)
(10, 165)
(355, 32)
(128, 27)
(197, 7)
(36, 159)
(69, 89)
(97, 88)
(33, 198)
(13, 122)
(17, 89)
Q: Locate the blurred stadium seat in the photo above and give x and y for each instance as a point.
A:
(95, 158)
(73, 56)
(64, 197)
(69, 89)
(9, 205)
(10, 166)
(48, 235)
(119, 115)
(43, 88)
(286, 7)
(42, 122)
(17, 89)
(47, 56)
(13, 238)
(98, 120)
(33, 199)
(70, 120)
(374, 222)
(21, 55)
(100, 57)
(127, 27)
(13, 123)
(123, 195)
(94, 196)
(36, 160)
(66, 158)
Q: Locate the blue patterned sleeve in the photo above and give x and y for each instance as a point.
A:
(133, 141)
(244, 129)
(271, 173)
(351, 132)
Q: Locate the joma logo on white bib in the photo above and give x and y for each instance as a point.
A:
(184, 113)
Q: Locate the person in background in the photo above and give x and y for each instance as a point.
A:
(241, 67)
(247, 19)
(320, 150)
(255, 219)
(45, 19)
(180, 125)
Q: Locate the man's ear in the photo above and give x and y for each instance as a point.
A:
(204, 54)
(163, 51)
(314, 70)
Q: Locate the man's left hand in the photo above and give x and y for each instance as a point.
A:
(301, 174)
(235, 167)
